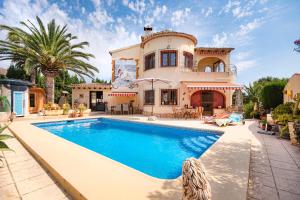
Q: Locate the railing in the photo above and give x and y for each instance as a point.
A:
(231, 69)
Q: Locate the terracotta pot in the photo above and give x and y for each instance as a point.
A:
(293, 136)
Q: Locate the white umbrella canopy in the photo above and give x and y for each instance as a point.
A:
(149, 80)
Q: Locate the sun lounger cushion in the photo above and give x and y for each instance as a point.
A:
(222, 122)
(235, 117)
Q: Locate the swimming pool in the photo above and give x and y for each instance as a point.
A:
(155, 150)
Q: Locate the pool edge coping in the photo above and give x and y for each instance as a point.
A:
(65, 183)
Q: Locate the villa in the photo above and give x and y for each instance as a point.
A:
(190, 76)
(292, 88)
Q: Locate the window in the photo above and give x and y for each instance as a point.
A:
(169, 58)
(219, 67)
(188, 59)
(150, 61)
(169, 97)
(207, 69)
(149, 97)
(32, 100)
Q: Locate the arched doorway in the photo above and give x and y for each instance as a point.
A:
(208, 99)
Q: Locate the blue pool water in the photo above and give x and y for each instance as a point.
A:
(156, 150)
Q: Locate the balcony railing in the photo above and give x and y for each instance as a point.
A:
(231, 69)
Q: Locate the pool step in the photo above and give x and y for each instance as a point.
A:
(194, 146)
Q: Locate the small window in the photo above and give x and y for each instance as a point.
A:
(32, 100)
(149, 97)
(169, 58)
(150, 61)
(169, 97)
(188, 59)
(81, 96)
(207, 69)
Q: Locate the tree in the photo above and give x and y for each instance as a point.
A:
(63, 82)
(47, 49)
(15, 72)
(252, 95)
(272, 94)
(101, 81)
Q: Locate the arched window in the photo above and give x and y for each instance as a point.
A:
(220, 67)
(207, 69)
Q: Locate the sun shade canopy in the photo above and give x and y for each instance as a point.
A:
(212, 86)
(126, 94)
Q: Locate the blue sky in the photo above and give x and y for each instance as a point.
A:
(261, 31)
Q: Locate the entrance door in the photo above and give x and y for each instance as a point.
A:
(18, 103)
(207, 102)
(96, 101)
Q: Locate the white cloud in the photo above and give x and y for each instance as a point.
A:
(97, 3)
(157, 14)
(180, 16)
(100, 37)
(245, 64)
(100, 17)
(230, 4)
(207, 12)
(247, 28)
(220, 40)
(138, 6)
(239, 12)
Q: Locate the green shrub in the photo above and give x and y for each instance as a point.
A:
(284, 132)
(248, 108)
(255, 114)
(286, 108)
(272, 95)
(4, 104)
(284, 119)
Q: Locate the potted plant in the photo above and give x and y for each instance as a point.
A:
(297, 132)
(66, 108)
(292, 124)
(263, 124)
(81, 109)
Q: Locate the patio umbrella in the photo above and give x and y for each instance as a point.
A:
(148, 80)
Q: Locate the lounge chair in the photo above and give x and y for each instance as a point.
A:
(212, 119)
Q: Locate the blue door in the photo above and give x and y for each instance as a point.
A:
(18, 105)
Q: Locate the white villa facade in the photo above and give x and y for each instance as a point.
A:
(197, 76)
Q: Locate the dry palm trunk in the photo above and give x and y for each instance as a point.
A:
(49, 84)
(33, 76)
(195, 182)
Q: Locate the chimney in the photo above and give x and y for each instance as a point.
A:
(147, 30)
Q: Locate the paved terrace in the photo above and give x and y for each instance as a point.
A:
(22, 177)
(274, 169)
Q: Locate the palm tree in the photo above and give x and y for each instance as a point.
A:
(297, 43)
(48, 50)
(253, 95)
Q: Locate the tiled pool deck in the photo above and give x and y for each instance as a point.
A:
(274, 169)
(21, 177)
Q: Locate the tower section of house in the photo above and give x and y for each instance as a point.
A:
(292, 88)
(198, 76)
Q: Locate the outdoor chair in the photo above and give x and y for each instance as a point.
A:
(176, 112)
(125, 108)
(118, 109)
